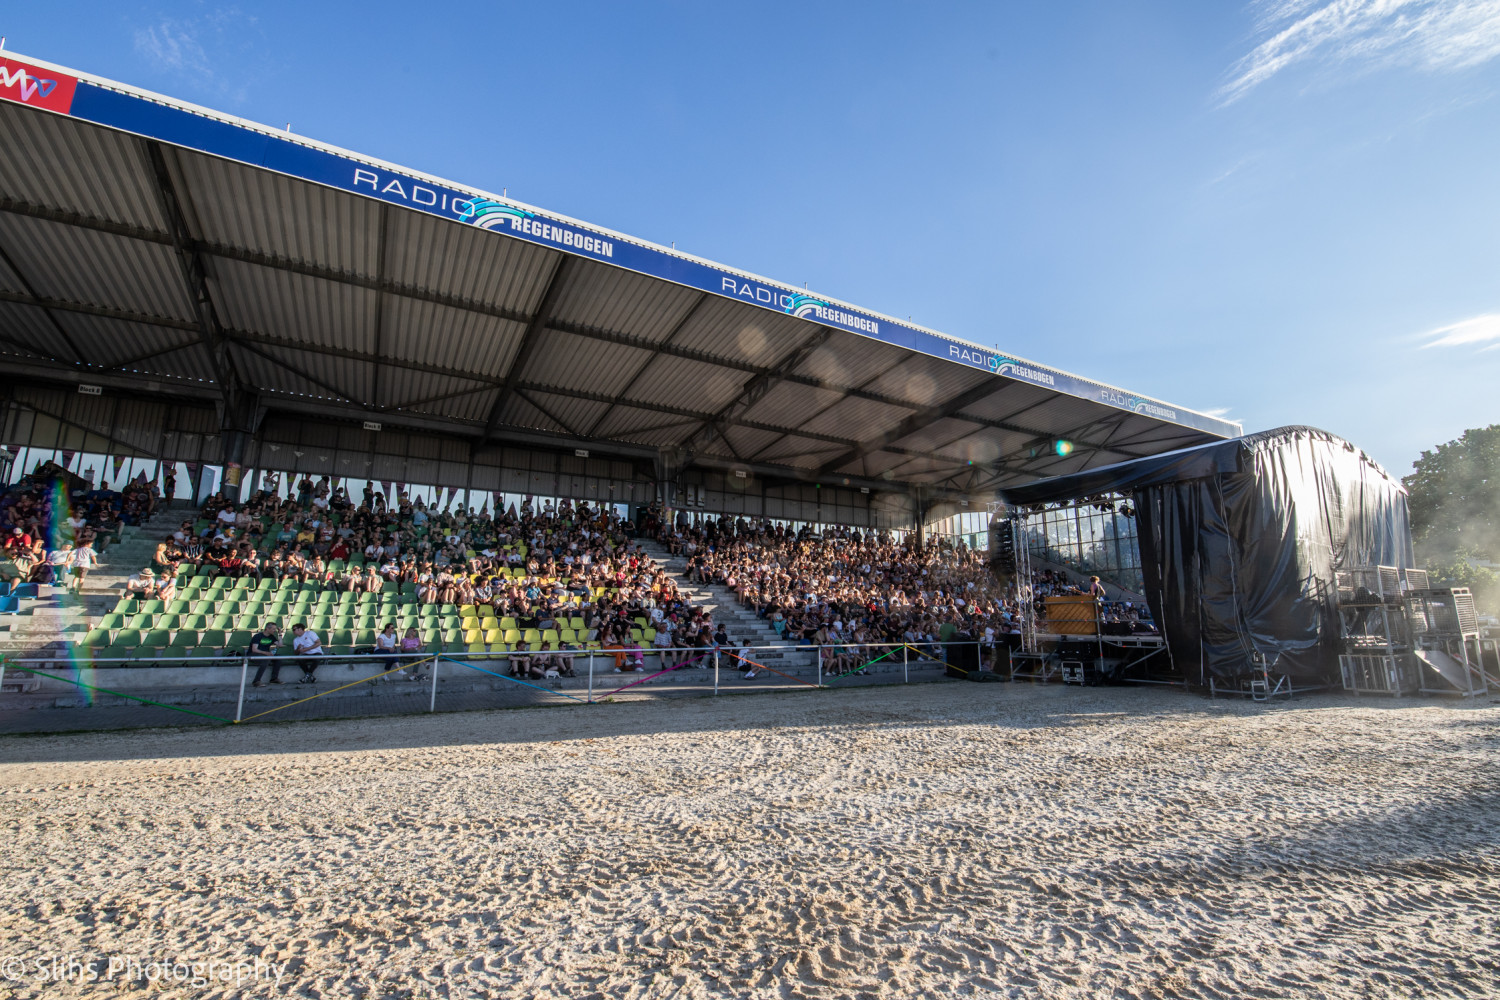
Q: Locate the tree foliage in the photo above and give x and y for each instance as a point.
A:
(1454, 496)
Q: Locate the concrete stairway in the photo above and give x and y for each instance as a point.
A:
(739, 621)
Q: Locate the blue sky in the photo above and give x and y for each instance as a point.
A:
(1285, 211)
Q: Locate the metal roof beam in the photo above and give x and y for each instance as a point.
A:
(195, 283)
(529, 341)
(665, 343)
(916, 422)
(822, 410)
(754, 391)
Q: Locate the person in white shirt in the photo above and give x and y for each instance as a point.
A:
(84, 559)
(308, 647)
(60, 559)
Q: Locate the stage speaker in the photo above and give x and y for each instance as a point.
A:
(1003, 549)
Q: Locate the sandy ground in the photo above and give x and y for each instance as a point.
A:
(948, 839)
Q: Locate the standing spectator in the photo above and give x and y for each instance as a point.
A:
(84, 559)
(263, 651)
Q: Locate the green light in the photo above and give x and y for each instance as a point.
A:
(1063, 447)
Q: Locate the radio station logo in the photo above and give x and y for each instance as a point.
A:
(1137, 404)
(1001, 365)
(803, 306)
(488, 214)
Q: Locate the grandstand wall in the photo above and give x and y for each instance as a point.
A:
(120, 436)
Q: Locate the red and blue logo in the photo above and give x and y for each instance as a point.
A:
(39, 88)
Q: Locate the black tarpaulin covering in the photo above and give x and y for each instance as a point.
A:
(1240, 541)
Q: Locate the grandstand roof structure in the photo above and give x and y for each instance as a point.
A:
(153, 245)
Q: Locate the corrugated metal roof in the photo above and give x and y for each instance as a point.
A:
(133, 275)
(55, 162)
(927, 381)
(847, 361)
(112, 342)
(787, 402)
(568, 361)
(283, 369)
(748, 441)
(644, 426)
(694, 385)
(431, 334)
(577, 415)
(936, 434)
(851, 418)
(465, 262)
(737, 332)
(258, 210)
(283, 304)
(602, 297)
(28, 329)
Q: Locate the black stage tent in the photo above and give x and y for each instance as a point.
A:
(1240, 541)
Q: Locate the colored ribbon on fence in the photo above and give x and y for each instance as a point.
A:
(934, 659)
(862, 666)
(746, 659)
(341, 687)
(611, 694)
(504, 677)
(122, 694)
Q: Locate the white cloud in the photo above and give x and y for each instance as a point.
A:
(173, 46)
(1433, 35)
(1222, 412)
(1467, 333)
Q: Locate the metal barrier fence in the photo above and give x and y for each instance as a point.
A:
(151, 689)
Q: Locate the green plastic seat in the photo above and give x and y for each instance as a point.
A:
(112, 621)
(212, 638)
(114, 653)
(178, 607)
(341, 637)
(97, 638)
(364, 637)
(184, 638)
(141, 621)
(156, 638)
(168, 622)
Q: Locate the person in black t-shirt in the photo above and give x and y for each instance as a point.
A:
(263, 651)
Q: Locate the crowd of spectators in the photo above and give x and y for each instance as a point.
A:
(541, 568)
(853, 592)
(54, 526)
(844, 587)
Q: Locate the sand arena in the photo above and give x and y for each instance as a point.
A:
(1003, 840)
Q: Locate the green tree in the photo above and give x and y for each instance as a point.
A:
(1454, 497)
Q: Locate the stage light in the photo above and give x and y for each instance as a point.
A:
(1063, 447)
